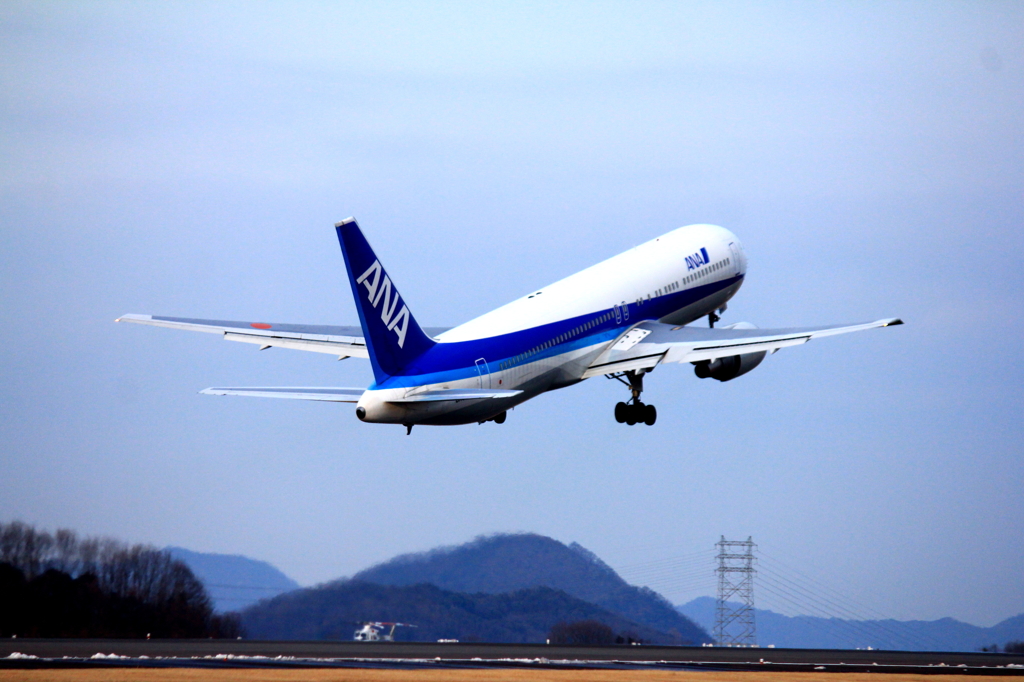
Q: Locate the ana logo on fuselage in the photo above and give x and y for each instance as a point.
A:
(377, 291)
(696, 260)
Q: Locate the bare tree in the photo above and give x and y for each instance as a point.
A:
(142, 575)
(66, 556)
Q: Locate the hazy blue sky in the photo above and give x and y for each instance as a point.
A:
(191, 159)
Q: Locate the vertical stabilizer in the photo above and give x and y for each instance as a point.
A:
(393, 337)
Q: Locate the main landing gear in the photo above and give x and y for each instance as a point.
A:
(634, 411)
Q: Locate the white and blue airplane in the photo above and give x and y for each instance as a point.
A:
(621, 319)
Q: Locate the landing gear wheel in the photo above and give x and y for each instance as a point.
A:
(500, 419)
(620, 412)
(650, 415)
(631, 414)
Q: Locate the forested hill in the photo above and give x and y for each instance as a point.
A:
(505, 563)
(334, 611)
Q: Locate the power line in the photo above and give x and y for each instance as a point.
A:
(830, 606)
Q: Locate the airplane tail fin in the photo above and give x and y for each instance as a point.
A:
(393, 337)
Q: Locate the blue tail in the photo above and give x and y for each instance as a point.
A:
(392, 336)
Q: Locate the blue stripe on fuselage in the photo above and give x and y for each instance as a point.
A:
(457, 360)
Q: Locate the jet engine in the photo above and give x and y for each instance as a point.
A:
(730, 367)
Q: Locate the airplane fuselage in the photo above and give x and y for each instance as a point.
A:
(550, 337)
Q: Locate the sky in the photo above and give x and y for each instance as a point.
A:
(191, 159)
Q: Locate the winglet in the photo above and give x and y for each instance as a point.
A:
(134, 317)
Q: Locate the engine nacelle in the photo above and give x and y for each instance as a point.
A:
(731, 367)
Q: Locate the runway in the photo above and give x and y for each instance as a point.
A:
(209, 653)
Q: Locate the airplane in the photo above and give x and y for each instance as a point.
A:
(620, 318)
(373, 632)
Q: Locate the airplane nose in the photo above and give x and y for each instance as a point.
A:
(361, 412)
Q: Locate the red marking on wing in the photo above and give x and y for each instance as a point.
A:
(259, 325)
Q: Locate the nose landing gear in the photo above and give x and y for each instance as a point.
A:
(634, 411)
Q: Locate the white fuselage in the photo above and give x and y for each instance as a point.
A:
(548, 338)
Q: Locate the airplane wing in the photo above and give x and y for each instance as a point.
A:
(331, 395)
(341, 341)
(651, 343)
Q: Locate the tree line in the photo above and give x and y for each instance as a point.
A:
(589, 632)
(1014, 647)
(60, 585)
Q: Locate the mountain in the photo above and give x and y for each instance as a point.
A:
(335, 610)
(506, 563)
(811, 632)
(233, 581)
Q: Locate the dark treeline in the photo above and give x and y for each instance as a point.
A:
(61, 586)
(582, 632)
(1014, 647)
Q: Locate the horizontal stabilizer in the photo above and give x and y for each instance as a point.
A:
(331, 395)
(456, 394)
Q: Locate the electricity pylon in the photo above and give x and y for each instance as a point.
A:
(734, 615)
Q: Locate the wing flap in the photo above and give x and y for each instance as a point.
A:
(614, 366)
(332, 347)
(684, 353)
(332, 395)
